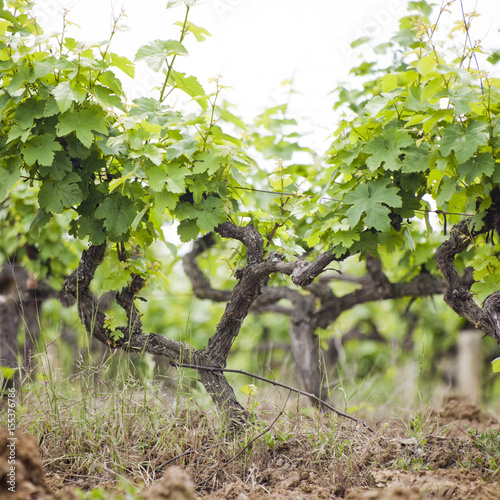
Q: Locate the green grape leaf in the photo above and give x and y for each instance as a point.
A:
(59, 167)
(360, 41)
(431, 88)
(146, 107)
(184, 147)
(495, 365)
(436, 117)
(414, 100)
(212, 214)
(115, 274)
(423, 7)
(55, 196)
(371, 199)
(16, 132)
(206, 162)
(190, 85)
(138, 218)
(464, 142)
(7, 372)
(368, 243)
(157, 52)
(88, 226)
(174, 3)
(447, 189)
(44, 67)
(40, 148)
(487, 285)
(187, 230)
(161, 202)
(40, 220)
(124, 64)
(199, 33)
(8, 16)
(386, 149)
(477, 166)
(199, 187)
(389, 82)
(232, 118)
(10, 173)
(176, 173)
(51, 108)
(343, 234)
(150, 151)
(65, 95)
(157, 176)
(83, 123)
(461, 97)
(416, 160)
(27, 111)
(375, 105)
(167, 200)
(249, 390)
(107, 97)
(118, 213)
(109, 79)
(425, 64)
(19, 80)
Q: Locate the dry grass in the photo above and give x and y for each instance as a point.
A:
(93, 432)
(122, 435)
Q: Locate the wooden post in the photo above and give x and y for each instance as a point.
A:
(469, 365)
(408, 387)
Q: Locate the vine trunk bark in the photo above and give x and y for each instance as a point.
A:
(305, 347)
(133, 340)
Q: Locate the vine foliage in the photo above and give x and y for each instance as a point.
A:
(84, 169)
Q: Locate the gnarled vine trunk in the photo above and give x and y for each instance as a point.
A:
(456, 294)
(239, 301)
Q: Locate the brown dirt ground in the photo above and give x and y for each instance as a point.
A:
(30, 475)
(382, 467)
(459, 414)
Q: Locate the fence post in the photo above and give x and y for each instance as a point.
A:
(469, 364)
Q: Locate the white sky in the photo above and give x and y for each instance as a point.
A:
(256, 44)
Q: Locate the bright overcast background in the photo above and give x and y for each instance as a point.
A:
(256, 44)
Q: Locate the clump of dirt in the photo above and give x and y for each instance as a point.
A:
(289, 488)
(393, 493)
(278, 483)
(460, 413)
(285, 472)
(175, 484)
(442, 484)
(21, 468)
(431, 451)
